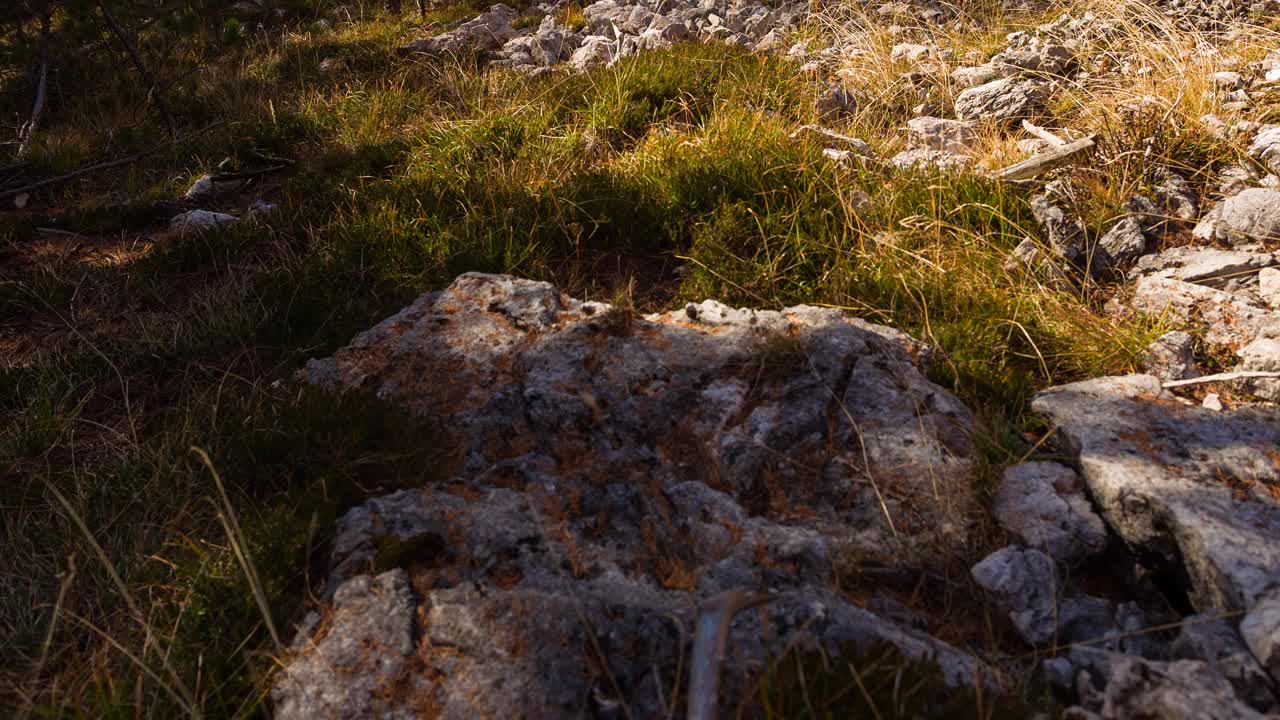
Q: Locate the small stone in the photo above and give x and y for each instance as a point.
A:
(200, 221)
(1024, 583)
(967, 77)
(1043, 505)
(1228, 80)
(835, 102)
(1212, 402)
(202, 188)
(1064, 233)
(910, 52)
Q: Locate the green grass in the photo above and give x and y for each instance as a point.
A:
(410, 172)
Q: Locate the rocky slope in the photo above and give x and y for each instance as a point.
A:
(625, 483)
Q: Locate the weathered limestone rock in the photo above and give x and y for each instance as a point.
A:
(1171, 357)
(1210, 638)
(1269, 286)
(202, 188)
(953, 136)
(1265, 148)
(200, 221)
(614, 471)
(486, 32)
(1036, 58)
(1250, 216)
(1227, 318)
(1044, 506)
(1263, 354)
(1191, 485)
(1261, 631)
(1024, 583)
(1204, 265)
(1063, 232)
(924, 158)
(359, 664)
(1181, 690)
(1004, 100)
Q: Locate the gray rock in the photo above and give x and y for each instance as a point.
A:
(1204, 265)
(1250, 216)
(835, 102)
(1024, 584)
(1269, 286)
(1178, 197)
(1036, 58)
(1180, 690)
(1171, 357)
(595, 50)
(1064, 234)
(1261, 631)
(1044, 506)
(1226, 318)
(1210, 638)
(968, 77)
(910, 52)
(614, 471)
(1263, 354)
(200, 221)
(1003, 101)
(1265, 147)
(922, 158)
(1124, 243)
(1179, 482)
(952, 136)
(201, 189)
(358, 665)
(486, 32)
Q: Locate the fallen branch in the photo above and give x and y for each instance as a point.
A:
(259, 155)
(710, 634)
(1043, 134)
(42, 90)
(1045, 161)
(247, 174)
(5, 195)
(152, 86)
(1222, 377)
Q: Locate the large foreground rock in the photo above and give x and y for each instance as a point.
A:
(1194, 486)
(613, 473)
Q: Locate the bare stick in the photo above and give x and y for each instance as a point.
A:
(42, 88)
(709, 638)
(1045, 161)
(1223, 377)
(152, 86)
(5, 195)
(246, 175)
(1043, 134)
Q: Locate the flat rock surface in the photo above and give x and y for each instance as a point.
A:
(1197, 486)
